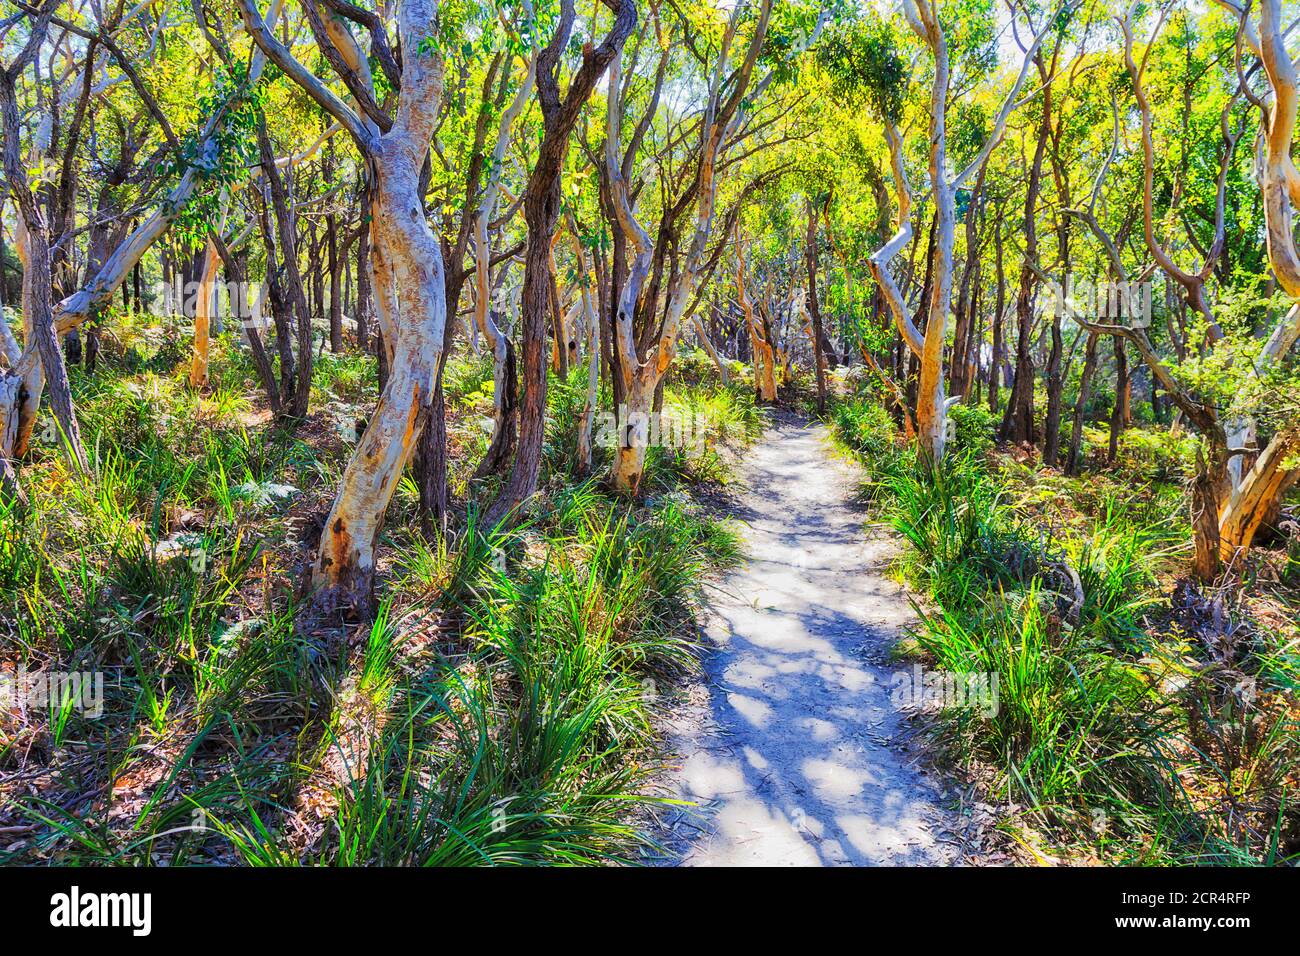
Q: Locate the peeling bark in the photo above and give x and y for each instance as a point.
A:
(203, 304)
(1257, 498)
(408, 277)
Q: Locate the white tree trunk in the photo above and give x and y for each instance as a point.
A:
(410, 294)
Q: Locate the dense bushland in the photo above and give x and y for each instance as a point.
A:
(1141, 718)
(499, 709)
(338, 342)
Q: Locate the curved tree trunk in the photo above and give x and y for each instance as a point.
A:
(505, 378)
(1256, 499)
(237, 270)
(542, 204)
(38, 314)
(409, 284)
(412, 262)
(724, 112)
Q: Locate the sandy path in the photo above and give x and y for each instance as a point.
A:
(791, 746)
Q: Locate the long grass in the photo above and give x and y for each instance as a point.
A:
(509, 683)
(1113, 729)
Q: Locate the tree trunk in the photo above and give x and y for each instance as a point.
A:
(1055, 387)
(706, 342)
(336, 283)
(38, 317)
(406, 256)
(364, 300)
(1018, 423)
(542, 204)
(203, 300)
(293, 297)
(410, 293)
(764, 359)
(1081, 404)
(559, 327)
(995, 363)
(237, 272)
(505, 408)
(964, 313)
(1256, 499)
(1207, 485)
(1117, 416)
(814, 309)
(587, 418)
(431, 461)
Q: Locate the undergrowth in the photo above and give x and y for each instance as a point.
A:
(1122, 726)
(499, 710)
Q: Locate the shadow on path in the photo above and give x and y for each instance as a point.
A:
(792, 750)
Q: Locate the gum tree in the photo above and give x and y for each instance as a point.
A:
(657, 289)
(924, 20)
(406, 267)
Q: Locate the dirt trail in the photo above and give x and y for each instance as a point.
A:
(791, 746)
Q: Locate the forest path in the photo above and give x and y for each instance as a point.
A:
(790, 746)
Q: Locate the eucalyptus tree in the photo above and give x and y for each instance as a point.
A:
(542, 207)
(34, 246)
(1220, 376)
(406, 262)
(924, 20)
(458, 189)
(762, 341)
(196, 162)
(659, 289)
(1257, 496)
(504, 375)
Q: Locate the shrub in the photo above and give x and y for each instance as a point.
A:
(1069, 725)
(974, 428)
(957, 524)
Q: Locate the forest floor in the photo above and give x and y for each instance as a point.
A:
(790, 747)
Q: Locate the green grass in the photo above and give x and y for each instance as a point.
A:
(1072, 725)
(1115, 732)
(509, 682)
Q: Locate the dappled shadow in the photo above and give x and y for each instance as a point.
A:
(794, 753)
